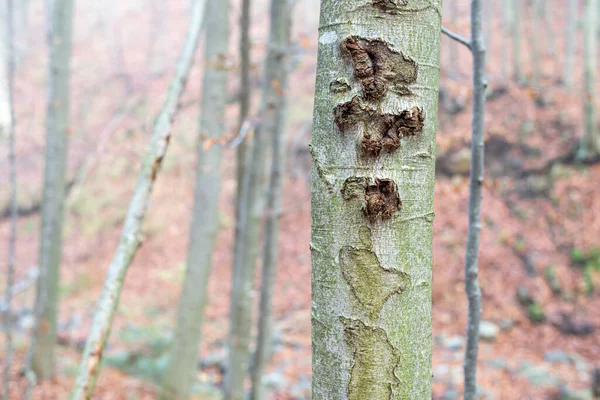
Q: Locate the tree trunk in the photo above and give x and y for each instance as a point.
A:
(183, 356)
(536, 61)
(249, 212)
(7, 68)
(373, 162)
(590, 143)
(517, 41)
(57, 128)
(475, 186)
(507, 27)
(245, 89)
(279, 41)
(570, 46)
(131, 236)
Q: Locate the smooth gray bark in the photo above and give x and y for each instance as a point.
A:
(245, 89)
(279, 41)
(372, 206)
(57, 129)
(570, 45)
(7, 124)
(183, 355)
(131, 236)
(475, 187)
(590, 144)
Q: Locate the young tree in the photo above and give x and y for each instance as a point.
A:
(590, 144)
(131, 236)
(516, 8)
(245, 89)
(57, 129)
(183, 356)
(373, 162)
(536, 18)
(7, 68)
(276, 74)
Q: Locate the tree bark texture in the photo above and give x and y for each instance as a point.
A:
(183, 356)
(53, 198)
(279, 42)
(131, 235)
(373, 162)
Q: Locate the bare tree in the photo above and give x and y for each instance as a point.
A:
(7, 124)
(131, 235)
(589, 146)
(57, 129)
(183, 356)
(276, 74)
(245, 88)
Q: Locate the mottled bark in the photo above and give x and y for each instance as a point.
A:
(372, 212)
(279, 41)
(131, 235)
(570, 44)
(589, 146)
(475, 196)
(57, 129)
(7, 68)
(183, 356)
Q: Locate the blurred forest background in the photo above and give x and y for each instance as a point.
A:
(540, 243)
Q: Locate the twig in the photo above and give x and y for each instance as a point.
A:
(19, 288)
(457, 37)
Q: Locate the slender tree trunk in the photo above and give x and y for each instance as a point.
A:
(475, 187)
(279, 41)
(131, 236)
(590, 143)
(7, 68)
(517, 41)
(570, 46)
(183, 356)
(508, 29)
(57, 128)
(245, 89)
(536, 61)
(249, 212)
(373, 162)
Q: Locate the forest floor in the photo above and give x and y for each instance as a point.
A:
(539, 244)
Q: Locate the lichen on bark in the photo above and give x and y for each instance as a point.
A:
(375, 360)
(370, 282)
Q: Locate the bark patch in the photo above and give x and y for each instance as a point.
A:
(375, 359)
(382, 200)
(377, 66)
(389, 6)
(353, 187)
(372, 284)
(339, 85)
(381, 131)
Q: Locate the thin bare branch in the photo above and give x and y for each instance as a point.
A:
(457, 37)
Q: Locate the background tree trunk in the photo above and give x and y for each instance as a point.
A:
(372, 201)
(279, 42)
(132, 230)
(57, 129)
(475, 195)
(534, 32)
(183, 356)
(7, 68)
(590, 144)
(517, 41)
(245, 89)
(570, 45)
